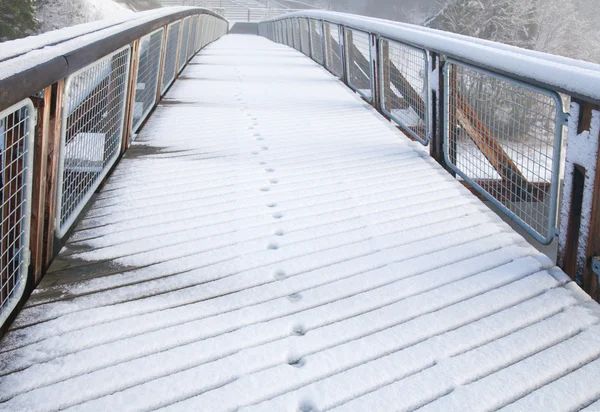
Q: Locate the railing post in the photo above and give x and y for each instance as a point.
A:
(161, 68)
(438, 105)
(579, 229)
(344, 54)
(376, 66)
(129, 103)
(52, 176)
(38, 194)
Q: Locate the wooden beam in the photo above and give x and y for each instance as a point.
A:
(485, 142)
(38, 197)
(130, 96)
(590, 279)
(54, 132)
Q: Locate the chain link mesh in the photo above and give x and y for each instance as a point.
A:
(168, 76)
(16, 130)
(316, 37)
(304, 33)
(148, 68)
(185, 37)
(93, 115)
(405, 89)
(192, 45)
(333, 50)
(505, 139)
(358, 51)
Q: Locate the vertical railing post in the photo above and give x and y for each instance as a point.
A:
(579, 233)
(161, 68)
(376, 84)
(52, 176)
(308, 25)
(129, 103)
(38, 194)
(345, 41)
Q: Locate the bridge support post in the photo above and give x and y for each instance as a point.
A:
(52, 177)
(38, 193)
(579, 228)
(438, 121)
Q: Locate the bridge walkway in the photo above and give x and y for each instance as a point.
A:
(270, 242)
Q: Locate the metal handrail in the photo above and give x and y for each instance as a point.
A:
(575, 78)
(31, 72)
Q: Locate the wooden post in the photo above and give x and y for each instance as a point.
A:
(161, 69)
(38, 193)
(130, 96)
(375, 72)
(53, 144)
(579, 238)
(384, 45)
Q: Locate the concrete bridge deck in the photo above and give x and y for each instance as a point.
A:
(271, 243)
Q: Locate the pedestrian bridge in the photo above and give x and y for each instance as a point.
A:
(219, 222)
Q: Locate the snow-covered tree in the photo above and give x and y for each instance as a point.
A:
(17, 19)
(554, 26)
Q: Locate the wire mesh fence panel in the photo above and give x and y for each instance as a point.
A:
(17, 133)
(504, 138)
(192, 46)
(358, 52)
(333, 49)
(185, 37)
(296, 34)
(304, 33)
(404, 87)
(199, 33)
(316, 40)
(92, 129)
(173, 34)
(146, 83)
(289, 31)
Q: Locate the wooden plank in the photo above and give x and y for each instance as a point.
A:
(38, 201)
(52, 177)
(130, 96)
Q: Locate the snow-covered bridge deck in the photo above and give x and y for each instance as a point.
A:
(270, 243)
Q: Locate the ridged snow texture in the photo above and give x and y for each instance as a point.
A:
(270, 243)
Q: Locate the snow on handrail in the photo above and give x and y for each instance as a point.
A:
(574, 77)
(55, 55)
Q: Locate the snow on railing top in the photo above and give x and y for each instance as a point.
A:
(42, 60)
(575, 77)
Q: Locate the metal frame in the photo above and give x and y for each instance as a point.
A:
(561, 118)
(426, 100)
(15, 295)
(63, 227)
(165, 85)
(328, 65)
(135, 125)
(183, 45)
(370, 58)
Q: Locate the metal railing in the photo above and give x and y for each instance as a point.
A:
(183, 44)
(169, 71)
(97, 91)
(146, 77)
(491, 114)
(92, 127)
(16, 131)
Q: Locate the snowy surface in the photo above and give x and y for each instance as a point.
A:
(61, 42)
(271, 243)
